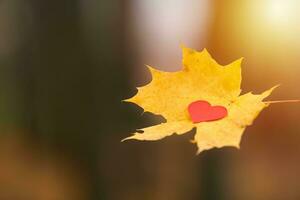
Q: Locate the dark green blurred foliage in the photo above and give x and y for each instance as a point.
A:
(65, 81)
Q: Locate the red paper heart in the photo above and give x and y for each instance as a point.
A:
(202, 111)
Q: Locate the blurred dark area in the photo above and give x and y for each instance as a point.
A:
(66, 66)
(62, 85)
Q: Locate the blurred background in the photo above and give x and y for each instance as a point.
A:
(65, 66)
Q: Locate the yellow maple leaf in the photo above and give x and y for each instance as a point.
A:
(170, 93)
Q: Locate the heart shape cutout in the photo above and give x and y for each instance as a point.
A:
(202, 111)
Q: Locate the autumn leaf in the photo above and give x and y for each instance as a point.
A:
(203, 95)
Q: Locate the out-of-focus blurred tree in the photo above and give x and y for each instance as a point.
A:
(65, 77)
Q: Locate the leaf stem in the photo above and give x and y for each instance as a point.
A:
(282, 101)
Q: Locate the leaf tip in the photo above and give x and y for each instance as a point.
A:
(129, 100)
(205, 52)
(193, 141)
(199, 151)
(182, 46)
(239, 61)
(268, 92)
(153, 71)
(129, 138)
